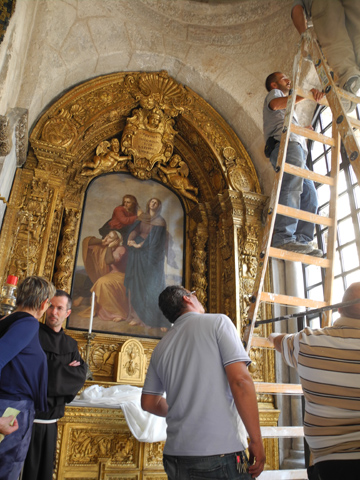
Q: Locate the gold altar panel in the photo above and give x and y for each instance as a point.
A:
(96, 443)
(169, 134)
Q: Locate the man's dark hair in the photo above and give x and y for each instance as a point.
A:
(62, 293)
(171, 302)
(270, 79)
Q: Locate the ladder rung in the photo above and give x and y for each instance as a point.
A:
(261, 342)
(348, 95)
(282, 432)
(293, 301)
(285, 388)
(318, 137)
(303, 173)
(306, 216)
(306, 94)
(354, 122)
(298, 474)
(299, 257)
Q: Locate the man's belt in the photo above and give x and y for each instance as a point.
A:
(40, 420)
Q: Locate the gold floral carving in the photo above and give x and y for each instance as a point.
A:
(86, 447)
(199, 254)
(52, 242)
(205, 164)
(67, 249)
(153, 454)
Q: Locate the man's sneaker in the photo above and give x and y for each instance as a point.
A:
(316, 252)
(352, 86)
(297, 247)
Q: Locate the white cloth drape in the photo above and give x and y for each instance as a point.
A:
(143, 425)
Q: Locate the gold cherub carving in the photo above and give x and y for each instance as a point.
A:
(176, 175)
(106, 158)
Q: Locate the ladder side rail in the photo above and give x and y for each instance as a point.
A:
(332, 231)
(345, 129)
(274, 199)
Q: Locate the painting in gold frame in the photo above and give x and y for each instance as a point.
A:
(131, 245)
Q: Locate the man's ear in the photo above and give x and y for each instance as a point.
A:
(273, 85)
(68, 313)
(186, 298)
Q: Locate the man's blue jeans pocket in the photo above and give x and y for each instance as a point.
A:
(214, 467)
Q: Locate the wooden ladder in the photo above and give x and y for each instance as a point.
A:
(342, 129)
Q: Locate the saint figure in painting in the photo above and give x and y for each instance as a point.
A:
(105, 263)
(145, 274)
(123, 217)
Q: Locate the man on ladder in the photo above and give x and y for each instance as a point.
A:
(337, 27)
(289, 233)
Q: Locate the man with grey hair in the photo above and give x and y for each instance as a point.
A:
(201, 366)
(67, 374)
(328, 363)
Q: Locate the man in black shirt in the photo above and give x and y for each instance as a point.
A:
(67, 374)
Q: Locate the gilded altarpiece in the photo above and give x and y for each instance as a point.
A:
(150, 126)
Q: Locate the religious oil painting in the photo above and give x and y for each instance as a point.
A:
(131, 246)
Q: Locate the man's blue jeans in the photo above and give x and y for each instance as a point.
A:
(296, 192)
(219, 467)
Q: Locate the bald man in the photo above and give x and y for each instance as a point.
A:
(328, 363)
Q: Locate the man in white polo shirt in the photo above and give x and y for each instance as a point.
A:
(201, 365)
(328, 363)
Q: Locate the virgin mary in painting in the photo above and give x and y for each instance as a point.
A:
(145, 275)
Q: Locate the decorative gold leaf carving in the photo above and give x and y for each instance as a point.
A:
(149, 138)
(67, 249)
(131, 363)
(87, 447)
(59, 130)
(159, 89)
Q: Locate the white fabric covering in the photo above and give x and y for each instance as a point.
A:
(143, 425)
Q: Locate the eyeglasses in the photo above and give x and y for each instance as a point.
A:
(188, 294)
